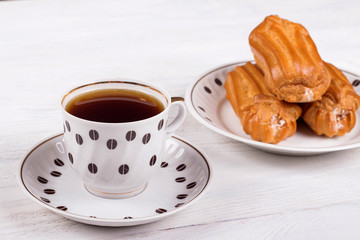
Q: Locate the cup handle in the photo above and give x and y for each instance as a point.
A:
(180, 116)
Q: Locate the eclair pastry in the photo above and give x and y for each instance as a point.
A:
(334, 114)
(288, 57)
(263, 116)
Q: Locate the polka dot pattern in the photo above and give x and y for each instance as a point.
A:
(92, 168)
(146, 138)
(130, 135)
(42, 180)
(180, 179)
(45, 200)
(62, 208)
(160, 210)
(356, 83)
(111, 144)
(124, 169)
(58, 162)
(152, 160)
(207, 90)
(208, 119)
(218, 82)
(79, 139)
(55, 174)
(49, 181)
(201, 108)
(181, 196)
(49, 191)
(191, 185)
(161, 124)
(71, 158)
(67, 124)
(181, 167)
(94, 135)
(179, 205)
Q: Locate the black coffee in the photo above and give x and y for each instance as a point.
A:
(114, 106)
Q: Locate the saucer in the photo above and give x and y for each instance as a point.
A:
(206, 101)
(45, 175)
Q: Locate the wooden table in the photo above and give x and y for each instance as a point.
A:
(48, 47)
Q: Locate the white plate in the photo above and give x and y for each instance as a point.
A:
(206, 101)
(46, 177)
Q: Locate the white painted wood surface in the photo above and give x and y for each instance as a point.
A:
(48, 47)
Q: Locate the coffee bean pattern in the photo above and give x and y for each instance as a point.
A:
(130, 135)
(207, 90)
(161, 124)
(201, 108)
(124, 169)
(92, 168)
(67, 124)
(111, 144)
(45, 200)
(55, 173)
(49, 191)
(94, 135)
(58, 162)
(79, 139)
(71, 158)
(218, 82)
(153, 160)
(191, 185)
(356, 83)
(180, 179)
(42, 180)
(160, 210)
(181, 196)
(62, 208)
(181, 167)
(208, 119)
(179, 205)
(146, 138)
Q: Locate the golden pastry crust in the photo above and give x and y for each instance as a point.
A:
(334, 114)
(264, 117)
(288, 57)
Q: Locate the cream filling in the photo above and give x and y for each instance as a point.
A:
(309, 94)
(276, 123)
(339, 115)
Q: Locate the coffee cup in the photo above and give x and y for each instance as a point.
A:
(117, 158)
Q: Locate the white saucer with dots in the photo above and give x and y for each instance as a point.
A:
(46, 177)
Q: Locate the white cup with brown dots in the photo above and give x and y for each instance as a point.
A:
(114, 134)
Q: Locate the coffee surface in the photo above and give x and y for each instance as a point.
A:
(114, 106)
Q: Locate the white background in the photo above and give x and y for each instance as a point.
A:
(48, 47)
